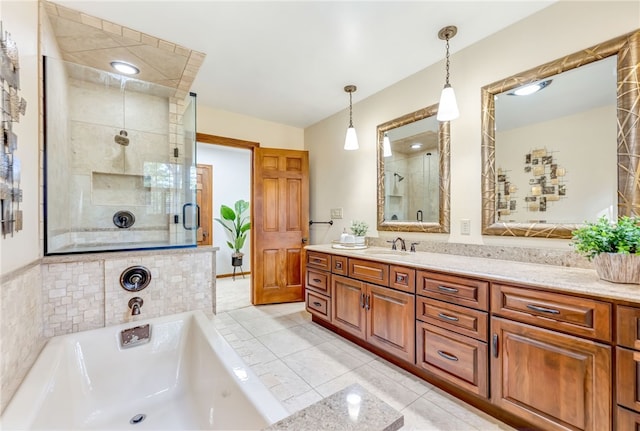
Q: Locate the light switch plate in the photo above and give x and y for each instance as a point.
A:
(336, 213)
(465, 226)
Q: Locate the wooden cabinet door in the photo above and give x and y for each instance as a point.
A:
(347, 305)
(554, 381)
(391, 321)
(628, 378)
(627, 420)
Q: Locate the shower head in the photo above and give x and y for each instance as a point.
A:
(400, 177)
(121, 138)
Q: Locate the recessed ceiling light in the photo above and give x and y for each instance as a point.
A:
(126, 68)
(528, 89)
(416, 146)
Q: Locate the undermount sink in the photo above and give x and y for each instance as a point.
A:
(386, 252)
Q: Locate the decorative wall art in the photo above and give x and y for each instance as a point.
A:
(546, 182)
(506, 199)
(11, 106)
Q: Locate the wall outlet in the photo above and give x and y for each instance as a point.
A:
(465, 226)
(336, 213)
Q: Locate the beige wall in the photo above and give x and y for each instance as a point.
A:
(20, 19)
(231, 125)
(348, 179)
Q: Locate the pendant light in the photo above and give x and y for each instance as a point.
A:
(386, 146)
(448, 107)
(351, 140)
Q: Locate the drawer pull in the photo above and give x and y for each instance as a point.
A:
(447, 289)
(362, 300)
(366, 303)
(401, 278)
(542, 309)
(447, 317)
(316, 303)
(338, 265)
(317, 280)
(494, 345)
(447, 355)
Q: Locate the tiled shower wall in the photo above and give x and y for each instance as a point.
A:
(64, 294)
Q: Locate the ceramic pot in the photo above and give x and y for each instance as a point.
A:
(359, 240)
(618, 267)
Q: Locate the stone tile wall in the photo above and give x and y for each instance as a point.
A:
(63, 294)
(21, 336)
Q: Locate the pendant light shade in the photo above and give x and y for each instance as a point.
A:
(448, 107)
(386, 146)
(351, 140)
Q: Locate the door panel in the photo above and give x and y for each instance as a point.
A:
(204, 201)
(555, 381)
(347, 302)
(281, 221)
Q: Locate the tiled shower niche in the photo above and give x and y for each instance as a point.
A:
(116, 147)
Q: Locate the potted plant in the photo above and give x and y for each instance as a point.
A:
(359, 230)
(614, 248)
(236, 224)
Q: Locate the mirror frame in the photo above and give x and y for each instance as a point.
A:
(627, 47)
(444, 141)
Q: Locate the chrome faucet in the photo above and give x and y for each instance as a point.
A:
(135, 304)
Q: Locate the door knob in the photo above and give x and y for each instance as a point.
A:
(304, 240)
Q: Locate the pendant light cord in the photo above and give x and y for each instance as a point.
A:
(350, 110)
(447, 40)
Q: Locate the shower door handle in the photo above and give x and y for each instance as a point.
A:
(184, 216)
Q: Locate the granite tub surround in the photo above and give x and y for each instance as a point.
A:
(568, 279)
(352, 408)
(81, 292)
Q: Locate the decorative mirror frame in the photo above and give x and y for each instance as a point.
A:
(627, 47)
(444, 141)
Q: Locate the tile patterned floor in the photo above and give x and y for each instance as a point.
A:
(301, 363)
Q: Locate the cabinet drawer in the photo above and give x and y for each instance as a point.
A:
(319, 305)
(627, 420)
(402, 278)
(453, 357)
(318, 280)
(365, 270)
(319, 260)
(339, 265)
(628, 378)
(465, 321)
(628, 327)
(574, 315)
(450, 288)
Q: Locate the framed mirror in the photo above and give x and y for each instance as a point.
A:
(413, 173)
(571, 152)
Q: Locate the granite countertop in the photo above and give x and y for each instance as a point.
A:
(352, 408)
(570, 280)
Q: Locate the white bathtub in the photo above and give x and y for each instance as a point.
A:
(186, 378)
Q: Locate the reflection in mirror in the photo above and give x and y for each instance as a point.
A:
(413, 177)
(567, 153)
(556, 148)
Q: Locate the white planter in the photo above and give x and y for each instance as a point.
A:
(360, 240)
(618, 267)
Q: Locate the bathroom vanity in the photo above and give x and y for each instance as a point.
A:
(535, 345)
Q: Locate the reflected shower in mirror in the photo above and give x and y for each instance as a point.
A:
(413, 180)
(568, 153)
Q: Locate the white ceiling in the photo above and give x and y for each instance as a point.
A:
(288, 62)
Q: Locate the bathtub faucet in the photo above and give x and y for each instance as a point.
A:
(135, 304)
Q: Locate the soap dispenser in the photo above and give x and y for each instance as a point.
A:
(344, 236)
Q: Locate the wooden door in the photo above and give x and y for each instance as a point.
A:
(553, 380)
(627, 420)
(280, 225)
(348, 305)
(204, 198)
(391, 321)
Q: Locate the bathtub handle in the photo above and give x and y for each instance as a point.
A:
(184, 216)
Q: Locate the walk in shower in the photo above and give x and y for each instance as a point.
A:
(119, 162)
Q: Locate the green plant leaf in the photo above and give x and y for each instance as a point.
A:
(227, 213)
